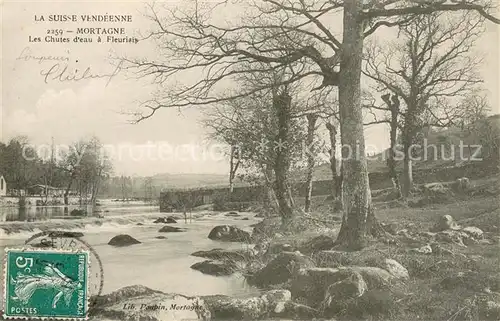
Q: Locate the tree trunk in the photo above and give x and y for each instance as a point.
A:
(407, 164)
(337, 179)
(391, 161)
(270, 200)
(310, 150)
(358, 217)
(282, 104)
(407, 176)
(66, 192)
(233, 167)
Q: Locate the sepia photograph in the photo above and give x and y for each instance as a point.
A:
(181, 160)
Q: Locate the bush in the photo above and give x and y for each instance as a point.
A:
(220, 201)
(78, 212)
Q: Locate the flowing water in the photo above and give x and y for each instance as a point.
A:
(162, 264)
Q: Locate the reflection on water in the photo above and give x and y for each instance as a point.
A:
(44, 213)
(30, 214)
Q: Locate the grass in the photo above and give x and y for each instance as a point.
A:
(436, 290)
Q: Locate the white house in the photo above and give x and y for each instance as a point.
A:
(3, 186)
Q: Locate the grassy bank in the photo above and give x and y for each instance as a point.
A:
(454, 282)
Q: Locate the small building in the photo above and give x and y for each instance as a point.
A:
(3, 186)
(51, 191)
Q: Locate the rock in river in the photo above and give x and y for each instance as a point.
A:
(215, 268)
(167, 228)
(123, 240)
(221, 254)
(166, 220)
(228, 233)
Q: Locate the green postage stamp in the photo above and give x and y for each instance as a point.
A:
(46, 284)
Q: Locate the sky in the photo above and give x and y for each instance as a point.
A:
(66, 111)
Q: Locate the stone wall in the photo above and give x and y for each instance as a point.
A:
(378, 180)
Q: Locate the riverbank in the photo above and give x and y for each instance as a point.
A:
(438, 260)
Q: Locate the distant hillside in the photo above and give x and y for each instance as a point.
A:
(443, 139)
(191, 180)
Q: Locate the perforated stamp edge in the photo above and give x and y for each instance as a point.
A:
(52, 250)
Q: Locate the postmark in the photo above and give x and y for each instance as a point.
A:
(46, 284)
(68, 240)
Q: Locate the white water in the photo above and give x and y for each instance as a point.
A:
(162, 264)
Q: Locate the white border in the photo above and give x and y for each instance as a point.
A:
(51, 250)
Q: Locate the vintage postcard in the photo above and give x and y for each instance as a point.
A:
(174, 160)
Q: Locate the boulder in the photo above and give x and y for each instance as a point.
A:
(140, 224)
(245, 219)
(272, 303)
(148, 305)
(374, 305)
(395, 269)
(309, 285)
(160, 237)
(277, 248)
(228, 233)
(375, 277)
(445, 222)
(297, 311)
(280, 269)
(168, 229)
(165, 220)
(123, 240)
(170, 220)
(337, 293)
(319, 243)
(221, 254)
(233, 214)
(473, 232)
(214, 268)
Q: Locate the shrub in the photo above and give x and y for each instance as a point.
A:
(220, 200)
(78, 212)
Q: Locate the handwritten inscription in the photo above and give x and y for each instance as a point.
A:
(63, 73)
(27, 55)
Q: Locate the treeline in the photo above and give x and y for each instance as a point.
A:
(130, 188)
(78, 168)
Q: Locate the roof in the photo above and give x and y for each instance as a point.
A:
(45, 186)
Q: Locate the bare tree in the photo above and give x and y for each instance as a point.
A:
(278, 33)
(311, 154)
(427, 68)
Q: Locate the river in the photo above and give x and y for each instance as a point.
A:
(162, 264)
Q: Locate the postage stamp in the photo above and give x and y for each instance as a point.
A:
(46, 283)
